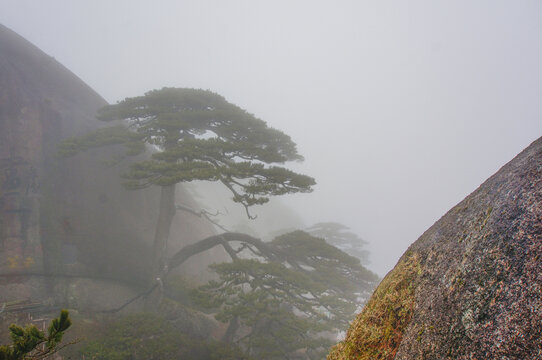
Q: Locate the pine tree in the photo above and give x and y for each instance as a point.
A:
(31, 343)
(196, 135)
(286, 296)
(341, 236)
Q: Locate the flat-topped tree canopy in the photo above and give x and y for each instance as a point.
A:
(171, 115)
(201, 136)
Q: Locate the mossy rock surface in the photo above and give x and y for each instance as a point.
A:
(378, 330)
(476, 291)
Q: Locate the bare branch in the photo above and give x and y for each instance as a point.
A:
(202, 214)
(236, 194)
(145, 293)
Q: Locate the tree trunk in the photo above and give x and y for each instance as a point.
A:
(163, 226)
(229, 336)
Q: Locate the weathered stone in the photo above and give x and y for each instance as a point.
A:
(68, 216)
(478, 291)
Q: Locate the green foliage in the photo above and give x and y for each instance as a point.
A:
(57, 328)
(178, 289)
(31, 343)
(340, 236)
(151, 337)
(114, 135)
(263, 296)
(285, 303)
(341, 274)
(200, 136)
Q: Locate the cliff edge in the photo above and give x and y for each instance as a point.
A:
(471, 286)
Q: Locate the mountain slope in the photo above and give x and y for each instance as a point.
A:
(67, 216)
(471, 286)
(41, 102)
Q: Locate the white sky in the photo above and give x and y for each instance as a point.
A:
(401, 109)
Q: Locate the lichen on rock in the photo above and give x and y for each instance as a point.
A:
(479, 284)
(377, 331)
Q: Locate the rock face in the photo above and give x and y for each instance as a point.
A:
(471, 286)
(36, 94)
(67, 216)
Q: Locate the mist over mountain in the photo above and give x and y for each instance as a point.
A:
(71, 236)
(72, 214)
(399, 108)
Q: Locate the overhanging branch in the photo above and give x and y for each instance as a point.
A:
(202, 214)
(203, 245)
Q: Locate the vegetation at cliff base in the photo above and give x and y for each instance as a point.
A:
(377, 331)
(147, 336)
(293, 295)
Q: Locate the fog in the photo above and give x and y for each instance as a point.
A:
(401, 109)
